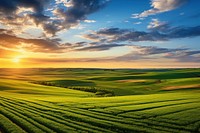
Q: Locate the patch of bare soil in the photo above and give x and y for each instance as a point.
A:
(182, 87)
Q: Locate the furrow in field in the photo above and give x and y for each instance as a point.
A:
(176, 123)
(186, 117)
(135, 107)
(108, 124)
(27, 118)
(125, 120)
(7, 126)
(116, 119)
(139, 102)
(155, 112)
(195, 126)
(155, 127)
(49, 121)
(87, 113)
(131, 108)
(53, 117)
(18, 120)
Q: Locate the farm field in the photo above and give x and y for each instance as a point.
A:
(99, 100)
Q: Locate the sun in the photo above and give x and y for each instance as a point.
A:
(16, 60)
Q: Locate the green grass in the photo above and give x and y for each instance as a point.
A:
(161, 100)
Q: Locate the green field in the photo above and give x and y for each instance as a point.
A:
(99, 100)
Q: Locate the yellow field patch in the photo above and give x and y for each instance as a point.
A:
(181, 87)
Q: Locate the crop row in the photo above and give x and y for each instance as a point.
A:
(52, 116)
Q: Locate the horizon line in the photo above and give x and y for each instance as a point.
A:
(97, 68)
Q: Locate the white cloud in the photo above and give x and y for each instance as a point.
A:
(67, 3)
(78, 27)
(89, 21)
(155, 23)
(22, 11)
(159, 6)
(137, 23)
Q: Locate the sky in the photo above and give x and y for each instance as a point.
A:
(99, 33)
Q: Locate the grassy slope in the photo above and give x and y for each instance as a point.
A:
(142, 103)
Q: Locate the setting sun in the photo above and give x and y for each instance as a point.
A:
(16, 60)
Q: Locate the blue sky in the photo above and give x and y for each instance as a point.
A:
(93, 33)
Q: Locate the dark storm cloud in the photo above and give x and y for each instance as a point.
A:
(160, 33)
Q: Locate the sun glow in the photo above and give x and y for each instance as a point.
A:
(16, 60)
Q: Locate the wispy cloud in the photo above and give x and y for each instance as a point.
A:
(156, 24)
(89, 21)
(100, 47)
(160, 6)
(159, 31)
(149, 52)
(46, 45)
(137, 23)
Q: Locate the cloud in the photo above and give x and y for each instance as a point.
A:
(10, 6)
(148, 52)
(77, 11)
(137, 53)
(63, 60)
(33, 45)
(160, 6)
(50, 15)
(118, 35)
(46, 45)
(92, 36)
(185, 55)
(89, 21)
(158, 31)
(155, 24)
(137, 23)
(15, 14)
(151, 50)
(101, 47)
(5, 31)
(183, 32)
